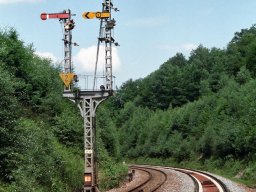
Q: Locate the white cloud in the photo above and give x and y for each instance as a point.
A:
(85, 59)
(47, 55)
(18, 1)
(173, 49)
(189, 47)
(149, 22)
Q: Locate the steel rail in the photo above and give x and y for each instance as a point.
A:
(224, 187)
(199, 185)
(149, 179)
(144, 183)
(218, 183)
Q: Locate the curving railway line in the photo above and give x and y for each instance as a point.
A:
(204, 182)
(157, 180)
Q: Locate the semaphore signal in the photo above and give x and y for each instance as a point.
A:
(88, 101)
(68, 77)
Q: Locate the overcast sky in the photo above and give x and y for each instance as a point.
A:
(149, 32)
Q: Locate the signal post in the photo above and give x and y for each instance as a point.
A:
(88, 100)
(91, 100)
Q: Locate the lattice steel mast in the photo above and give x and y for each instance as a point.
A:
(88, 101)
(109, 25)
(65, 17)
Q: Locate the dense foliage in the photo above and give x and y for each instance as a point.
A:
(38, 153)
(197, 111)
(200, 109)
(41, 133)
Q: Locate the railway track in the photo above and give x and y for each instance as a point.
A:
(157, 177)
(204, 182)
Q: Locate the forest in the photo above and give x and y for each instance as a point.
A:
(41, 133)
(196, 112)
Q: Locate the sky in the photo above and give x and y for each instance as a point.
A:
(149, 32)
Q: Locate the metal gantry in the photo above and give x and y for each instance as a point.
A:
(89, 106)
(88, 100)
(90, 103)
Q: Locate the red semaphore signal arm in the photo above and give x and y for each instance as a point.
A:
(45, 16)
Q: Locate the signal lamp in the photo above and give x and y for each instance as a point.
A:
(87, 179)
(69, 25)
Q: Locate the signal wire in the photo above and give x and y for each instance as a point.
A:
(97, 54)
